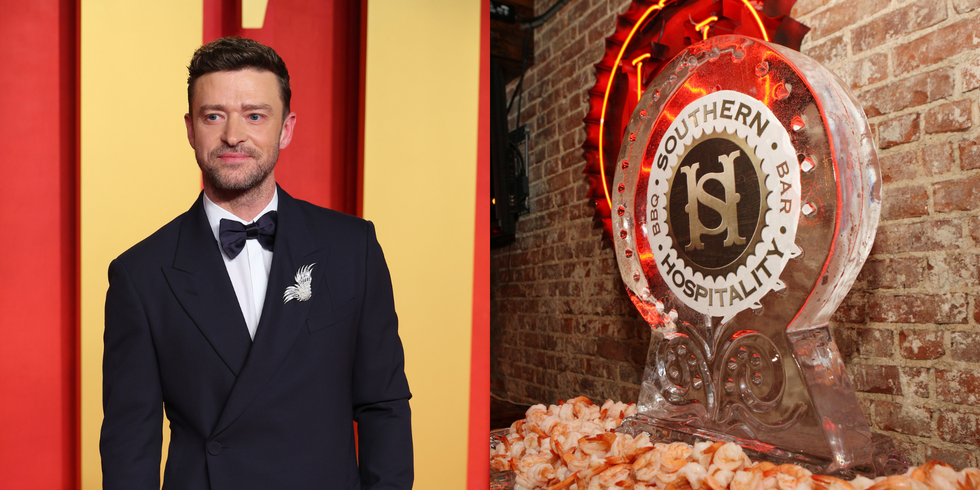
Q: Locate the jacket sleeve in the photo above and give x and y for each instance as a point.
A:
(380, 389)
(132, 399)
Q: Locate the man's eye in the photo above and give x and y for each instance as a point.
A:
(255, 117)
(211, 117)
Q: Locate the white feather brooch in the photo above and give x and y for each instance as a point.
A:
(303, 289)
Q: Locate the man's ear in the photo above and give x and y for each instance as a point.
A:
(286, 135)
(190, 129)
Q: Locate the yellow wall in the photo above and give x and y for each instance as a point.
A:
(137, 170)
(419, 189)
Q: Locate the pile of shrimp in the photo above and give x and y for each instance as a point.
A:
(572, 446)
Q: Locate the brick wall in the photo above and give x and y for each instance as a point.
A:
(561, 324)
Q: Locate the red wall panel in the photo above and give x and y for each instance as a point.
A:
(38, 267)
(478, 470)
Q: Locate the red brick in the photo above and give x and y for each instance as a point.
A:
(938, 45)
(879, 30)
(971, 74)
(973, 228)
(601, 368)
(900, 273)
(918, 237)
(910, 92)
(965, 346)
(925, 14)
(917, 380)
(938, 159)
(918, 308)
(954, 116)
(957, 195)
(829, 52)
(611, 349)
(853, 309)
(875, 379)
(837, 18)
(895, 24)
(864, 71)
(632, 374)
(846, 339)
(958, 459)
(911, 450)
(905, 202)
(903, 418)
(921, 344)
(963, 6)
(803, 7)
(969, 154)
(958, 387)
(959, 427)
(874, 342)
(898, 131)
(898, 166)
(953, 271)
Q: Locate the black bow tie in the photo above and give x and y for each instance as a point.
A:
(233, 234)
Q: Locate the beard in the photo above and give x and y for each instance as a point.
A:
(240, 179)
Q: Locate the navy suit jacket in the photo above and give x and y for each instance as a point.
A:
(273, 413)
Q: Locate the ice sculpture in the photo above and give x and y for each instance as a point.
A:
(745, 202)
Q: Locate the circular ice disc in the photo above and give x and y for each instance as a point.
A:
(747, 180)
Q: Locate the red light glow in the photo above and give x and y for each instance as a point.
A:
(605, 96)
(758, 21)
(705, 25)
(638, 63)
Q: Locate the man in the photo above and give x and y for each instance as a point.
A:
(264, 325)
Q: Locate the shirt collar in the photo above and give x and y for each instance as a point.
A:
(216, 213)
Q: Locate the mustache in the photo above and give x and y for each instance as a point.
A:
(240, 148)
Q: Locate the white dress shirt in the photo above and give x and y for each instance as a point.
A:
(249, 271)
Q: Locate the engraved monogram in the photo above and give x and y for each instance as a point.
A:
(728, 209)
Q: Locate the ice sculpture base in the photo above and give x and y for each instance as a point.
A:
(885, 460)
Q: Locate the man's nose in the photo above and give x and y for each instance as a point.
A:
(234, 132)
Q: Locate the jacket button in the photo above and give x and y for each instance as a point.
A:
(214, 448)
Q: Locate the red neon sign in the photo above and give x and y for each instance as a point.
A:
(650, 34)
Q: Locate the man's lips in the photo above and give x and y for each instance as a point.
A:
(233, 157)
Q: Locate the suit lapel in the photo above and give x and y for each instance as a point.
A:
(280, 323)
(200, 282)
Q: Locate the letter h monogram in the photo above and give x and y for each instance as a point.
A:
(727, 209)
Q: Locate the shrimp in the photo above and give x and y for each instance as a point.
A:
(614, 475)
(695, 474)
(532, 442)
(897, 482)
(937, 475)
(598, 444)
(566, 412)
(576, 460)
(862, 483)
(500, 462)
(628, 448)
(971, 479)
(646, 466)
(675, 456)
(567, 482)
(517, 449)
(791, 477)
(746, 480)
(721, 476)
(729, 456)
(540, 473)
(824, 482)
(704, 451)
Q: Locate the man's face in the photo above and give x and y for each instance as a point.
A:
(236, 128)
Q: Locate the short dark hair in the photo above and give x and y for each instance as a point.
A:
(233, 54)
